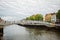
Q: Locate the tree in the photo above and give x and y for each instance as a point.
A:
(35, 17)
(38, 17)
(58, 14)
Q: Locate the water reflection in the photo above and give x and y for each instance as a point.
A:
(37, 34)
(15, 32)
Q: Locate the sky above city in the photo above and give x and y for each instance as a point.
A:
(19, 9)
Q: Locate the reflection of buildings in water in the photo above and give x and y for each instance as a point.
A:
(43, 34)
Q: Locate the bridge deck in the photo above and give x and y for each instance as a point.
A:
(29, 22)
(38, 23)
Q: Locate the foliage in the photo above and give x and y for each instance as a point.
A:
(35, 17)
(58, 14)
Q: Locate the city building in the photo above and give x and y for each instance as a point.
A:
(50, 17)
(1, 20)
(57, 21)
(53, 17)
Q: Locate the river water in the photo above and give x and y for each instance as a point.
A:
(16, 32)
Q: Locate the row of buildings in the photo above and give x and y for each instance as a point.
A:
(51, 17)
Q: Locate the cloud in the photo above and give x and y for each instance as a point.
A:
(24, 8)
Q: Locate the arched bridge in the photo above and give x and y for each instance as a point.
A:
(28, 22)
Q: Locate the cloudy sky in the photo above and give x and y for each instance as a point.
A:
(22, 8)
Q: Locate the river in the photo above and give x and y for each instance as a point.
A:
(16, 32)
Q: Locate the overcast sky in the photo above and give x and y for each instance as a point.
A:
(24, 8)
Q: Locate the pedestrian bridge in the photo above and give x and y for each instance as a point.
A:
(28, 22)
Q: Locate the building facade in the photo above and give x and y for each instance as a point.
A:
(50, 17)
(1, 20)
(53, 17)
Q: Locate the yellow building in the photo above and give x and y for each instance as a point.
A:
(50, 17)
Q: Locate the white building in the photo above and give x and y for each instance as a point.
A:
(53, 17)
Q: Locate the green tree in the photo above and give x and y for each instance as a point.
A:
(28, 18)
(35, 17)
(58, 14)
(38, 17)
